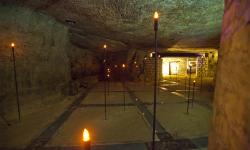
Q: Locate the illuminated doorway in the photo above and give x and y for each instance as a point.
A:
(178, 66)
(174, 68)
(169, 67)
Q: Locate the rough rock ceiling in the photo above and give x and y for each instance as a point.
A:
(126, 24)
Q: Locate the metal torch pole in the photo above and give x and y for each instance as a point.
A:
(193, 94)
(155, 81)
(105, 86)
(16, 84)
(201, 74)
(185, 85)
(124, 102)
(189, 84)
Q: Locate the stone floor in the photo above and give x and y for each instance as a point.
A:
(128, 127)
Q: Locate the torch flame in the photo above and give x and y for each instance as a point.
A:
(12, 44)
(156, 15)
(104, 46)
(85, 135)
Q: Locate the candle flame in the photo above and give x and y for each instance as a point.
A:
(85, 135)
(156, 15)
(12, 44)
(123, 65)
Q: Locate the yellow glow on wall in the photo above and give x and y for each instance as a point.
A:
(165, 67)
(170, 67)
(174, 67)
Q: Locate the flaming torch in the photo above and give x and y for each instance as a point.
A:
(86, 140)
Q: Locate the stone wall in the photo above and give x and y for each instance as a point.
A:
(141, 65)
(46, 61)
(83, 63)
(41, 50)
(231, 122)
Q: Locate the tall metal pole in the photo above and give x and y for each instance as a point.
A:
(158, 77)
(185, 85)
(144, 70)
(123, 82)
(105, 86)
(155, 79)
(15, 77)
(108, 85)
(193, 93)
(201, 73)
(189, 84)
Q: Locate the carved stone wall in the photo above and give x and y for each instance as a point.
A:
(231, 108)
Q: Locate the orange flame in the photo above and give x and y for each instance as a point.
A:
(12, 44)
(85, 135)
(104, 46)
(156, 15)
(123, 65)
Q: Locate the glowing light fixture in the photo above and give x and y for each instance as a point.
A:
(165, 67)
(174, 67)
(151, 54)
